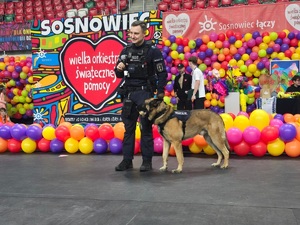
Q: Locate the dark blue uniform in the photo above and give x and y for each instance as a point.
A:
(145, 74)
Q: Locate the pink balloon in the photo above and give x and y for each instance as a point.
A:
(276, 123)
(234, 136)
(251, 135)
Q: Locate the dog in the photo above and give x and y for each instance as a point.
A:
(173, 130)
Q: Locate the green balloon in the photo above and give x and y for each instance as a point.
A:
(202, 67)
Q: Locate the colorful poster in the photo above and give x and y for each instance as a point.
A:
(73, 66)
(243, 19)
(15, 37)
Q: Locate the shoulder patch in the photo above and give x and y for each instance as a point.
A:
(159, 67)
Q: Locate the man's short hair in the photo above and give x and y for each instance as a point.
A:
(140, 23)
(296, 77)
(193, 59)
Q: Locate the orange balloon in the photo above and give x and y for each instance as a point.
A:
(233, 50)
(172, 151)
(206, 103)
(119, 132)
(77, 132)
(205, 38)
(216, 65)
(3, 145)
(292, 148)
(219, 44)
(289, 117)
(255, 49)
(199, 140)
(221, 57)
(226, 51)
(66, 124)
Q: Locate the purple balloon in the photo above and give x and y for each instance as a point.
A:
(287, 132)
(180, 49)
(169, 87)
(209, 52)
(172, 38)
(56, 146)
(232, 39)
(5, 132)
(278, 41)
(18, 69)
(169, 59)
(174, 100)
(291, 35)
(199, 42)
(237, 56)
(298, 36)
(34, 132)
(270, 50)
(202, 55)
(279, 117)
(284, 47)
(18, 132)
(115, 146)
(248, 51)
(100, 146)
(260, 65)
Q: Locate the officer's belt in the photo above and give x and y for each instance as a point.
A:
(131, 89)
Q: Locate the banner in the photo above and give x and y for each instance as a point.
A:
(15, 37)
(193, 24)
(73, 66)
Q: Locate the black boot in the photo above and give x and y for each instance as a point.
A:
(124, 165)
(146, 166)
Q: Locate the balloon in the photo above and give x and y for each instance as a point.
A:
(251, 135)
(158, 145)
(292, 148)
(44, 145)
(241, 149)
(92, 132)
(234, 136)
(259, 149)
(269, 133)
(28, 145)
(34, 132)
(3, 145)
(195, 148)
(259, 118)
(86, 145)
(187, 142)
(56, 146)
(106, 132)
(200, 141)
(155, 131)
(77, 132)
(48, 133)
(71, 145)
(13, 145)
(18, 132)
(115, 146)
(276, 147)
(208, 150)
(228, 121)
(100, 146)
(62, 133)
(5, 132)
(287, 132)
(241, 122)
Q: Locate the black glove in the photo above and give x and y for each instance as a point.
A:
(161, 95)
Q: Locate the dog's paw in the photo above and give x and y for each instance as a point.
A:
(215, 165)
(224, 166)
(163, 169)
(176, 171)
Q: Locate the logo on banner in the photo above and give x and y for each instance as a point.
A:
(88, 69)
(292, 15)
(207, 25)
(177, 25)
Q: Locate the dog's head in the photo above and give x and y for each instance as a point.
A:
(151, 107)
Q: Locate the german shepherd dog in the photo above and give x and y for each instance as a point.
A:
(173, 130)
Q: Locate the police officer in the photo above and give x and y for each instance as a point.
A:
(142, 66)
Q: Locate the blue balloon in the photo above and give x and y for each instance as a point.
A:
(56, 146)
(100, 146)
(18, 132)
(202, 55)
(5, 132)
(287, 132)
(115, 146)
(34, 132)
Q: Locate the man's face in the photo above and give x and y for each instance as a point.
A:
(181, 70)
(137, 35)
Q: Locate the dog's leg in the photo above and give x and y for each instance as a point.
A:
(165, 155)
(217, 150)
(179, 156)
(225, 153)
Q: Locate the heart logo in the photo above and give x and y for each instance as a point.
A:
(292, 15)
(177, 25)
(88, 69)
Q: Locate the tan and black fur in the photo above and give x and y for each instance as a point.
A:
(202, 121)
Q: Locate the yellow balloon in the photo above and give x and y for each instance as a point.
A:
(222, 72)
(86, 145)
(241, 122)
(137, 131)
(208, 96)
(208, 150)
(276, 147)
(194, 148)
(28, 145)
(71, 145)
(49, 133)
(245, 57)
(228, 120)
(214, 102)
(259, 118)
(247, 36)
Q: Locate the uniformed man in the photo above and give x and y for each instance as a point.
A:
(142, 66)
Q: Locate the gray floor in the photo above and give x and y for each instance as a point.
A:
(84, 189)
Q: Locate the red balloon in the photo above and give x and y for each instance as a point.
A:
(242, 149)
(137, 147)
(288, 53)
(44, 145)
(203, 48)
(229, 33)
(185, 62)
(224, 65)
(294, 42)
(14, 145)
(259, 149)
(62, 133)
(92, 132)
(221, 37)
(178, 41)
(155, 131)
(269, 133)
(281, 34)
(185, 41)
(176, 62)
(228, 58)
(106, 132)
(187, 142)
(232, 115)
(238, 36)
(265, 34)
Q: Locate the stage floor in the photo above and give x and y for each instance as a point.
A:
(82, 189)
